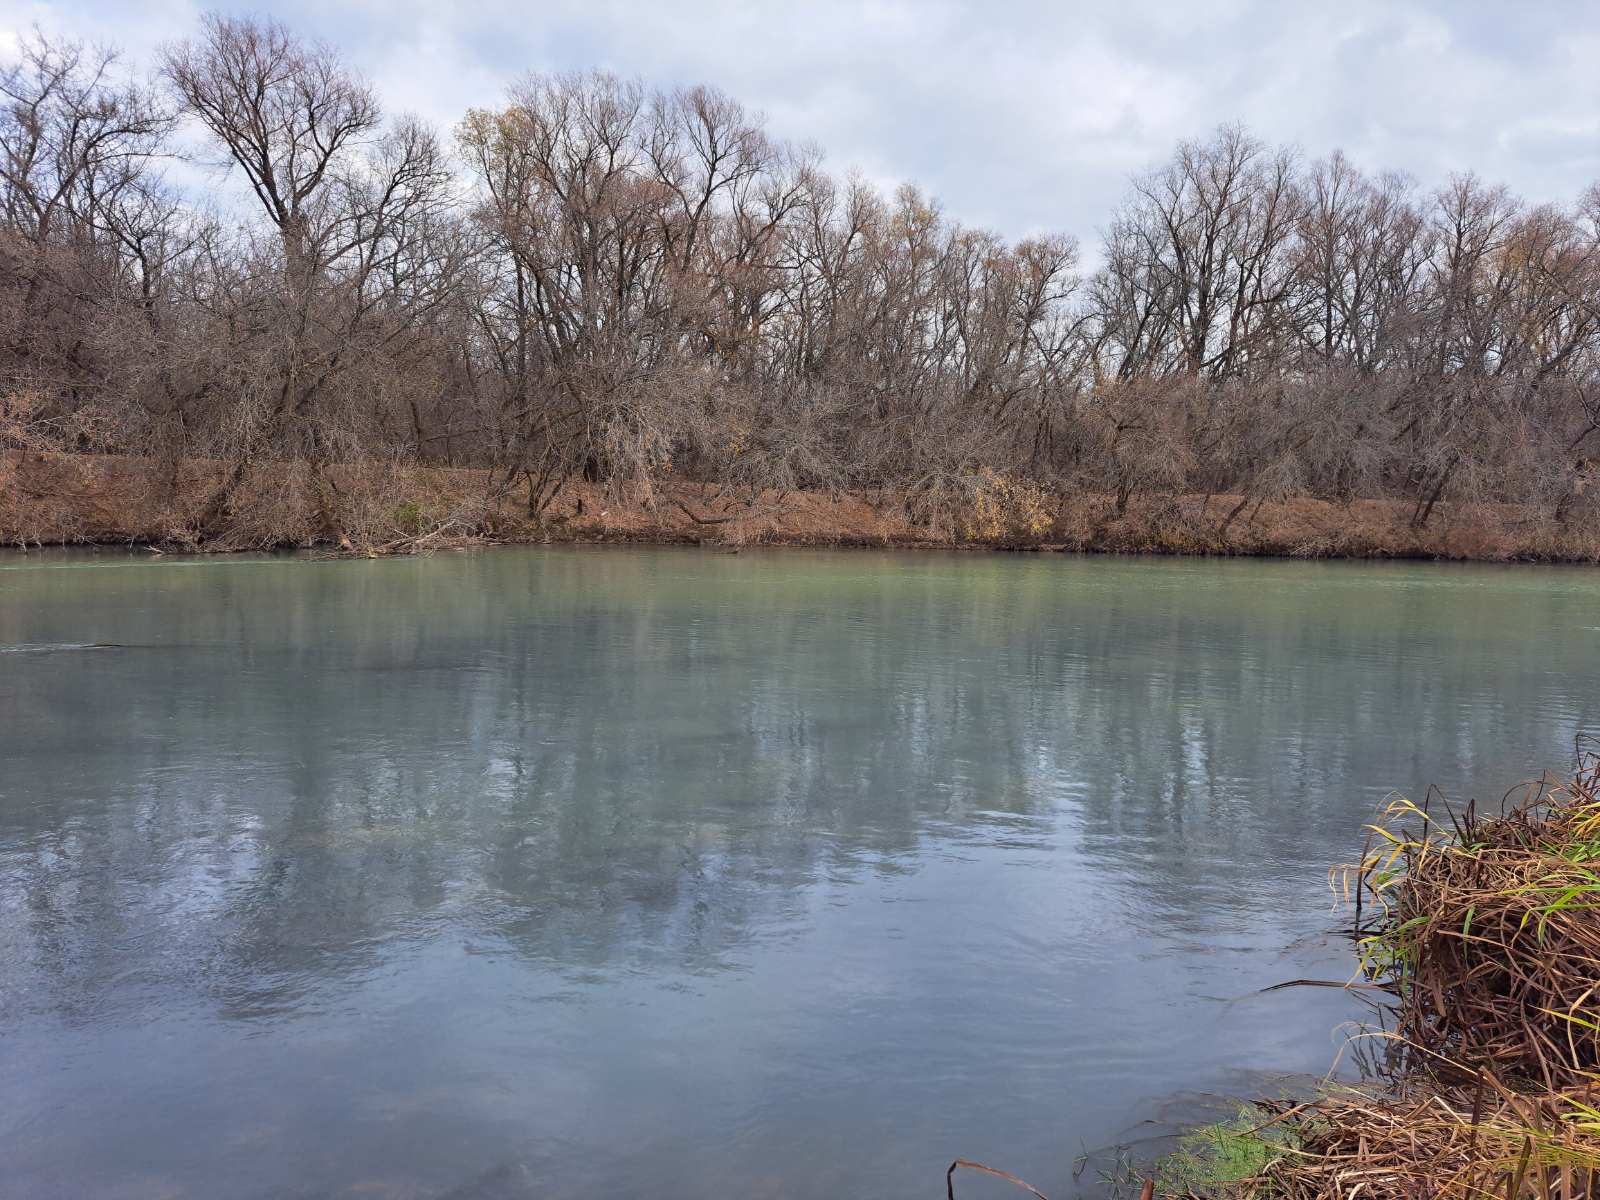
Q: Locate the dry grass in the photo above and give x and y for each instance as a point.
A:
(1485, 928)
(1488, 930)
(1468, 1145)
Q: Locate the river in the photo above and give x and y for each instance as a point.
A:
(680, 873)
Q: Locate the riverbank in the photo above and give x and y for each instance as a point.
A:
(1484, 929)
(59, 499)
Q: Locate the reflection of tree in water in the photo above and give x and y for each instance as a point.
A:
(1235, 732)
(644, 761)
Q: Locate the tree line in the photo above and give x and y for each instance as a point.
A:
(591, 279)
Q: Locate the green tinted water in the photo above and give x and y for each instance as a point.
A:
(581, 872)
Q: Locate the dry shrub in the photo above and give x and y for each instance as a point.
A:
(385, 506)
(19, 424)
(45, 495)
(45, 499)
(1001, 509)
(375, 506)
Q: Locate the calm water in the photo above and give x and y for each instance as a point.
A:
(684, 874)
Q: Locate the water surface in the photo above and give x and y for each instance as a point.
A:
(565, 872)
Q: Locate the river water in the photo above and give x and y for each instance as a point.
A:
(676, 873)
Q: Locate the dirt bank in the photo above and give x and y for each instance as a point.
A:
(56, 499)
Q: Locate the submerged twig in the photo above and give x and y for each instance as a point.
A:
(950, 1178)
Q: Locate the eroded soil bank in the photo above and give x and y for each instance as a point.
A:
(57, 499)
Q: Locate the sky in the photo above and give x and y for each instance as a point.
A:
(1022, 116)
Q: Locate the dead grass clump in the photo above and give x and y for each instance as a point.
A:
(1473, 1144)
(1488, 929)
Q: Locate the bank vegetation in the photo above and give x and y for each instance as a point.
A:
(1485, 929)
(241, 306)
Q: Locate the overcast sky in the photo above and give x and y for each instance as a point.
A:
(1021, 115)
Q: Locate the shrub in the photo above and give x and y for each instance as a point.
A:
(1001, 509)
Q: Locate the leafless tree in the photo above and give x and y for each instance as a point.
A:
(647, 290)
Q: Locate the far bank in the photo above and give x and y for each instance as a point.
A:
(384, 508)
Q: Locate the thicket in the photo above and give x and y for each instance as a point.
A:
(593, 280)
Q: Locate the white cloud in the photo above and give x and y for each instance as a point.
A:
(1024, 115)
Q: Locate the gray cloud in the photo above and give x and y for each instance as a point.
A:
(1021, 115)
